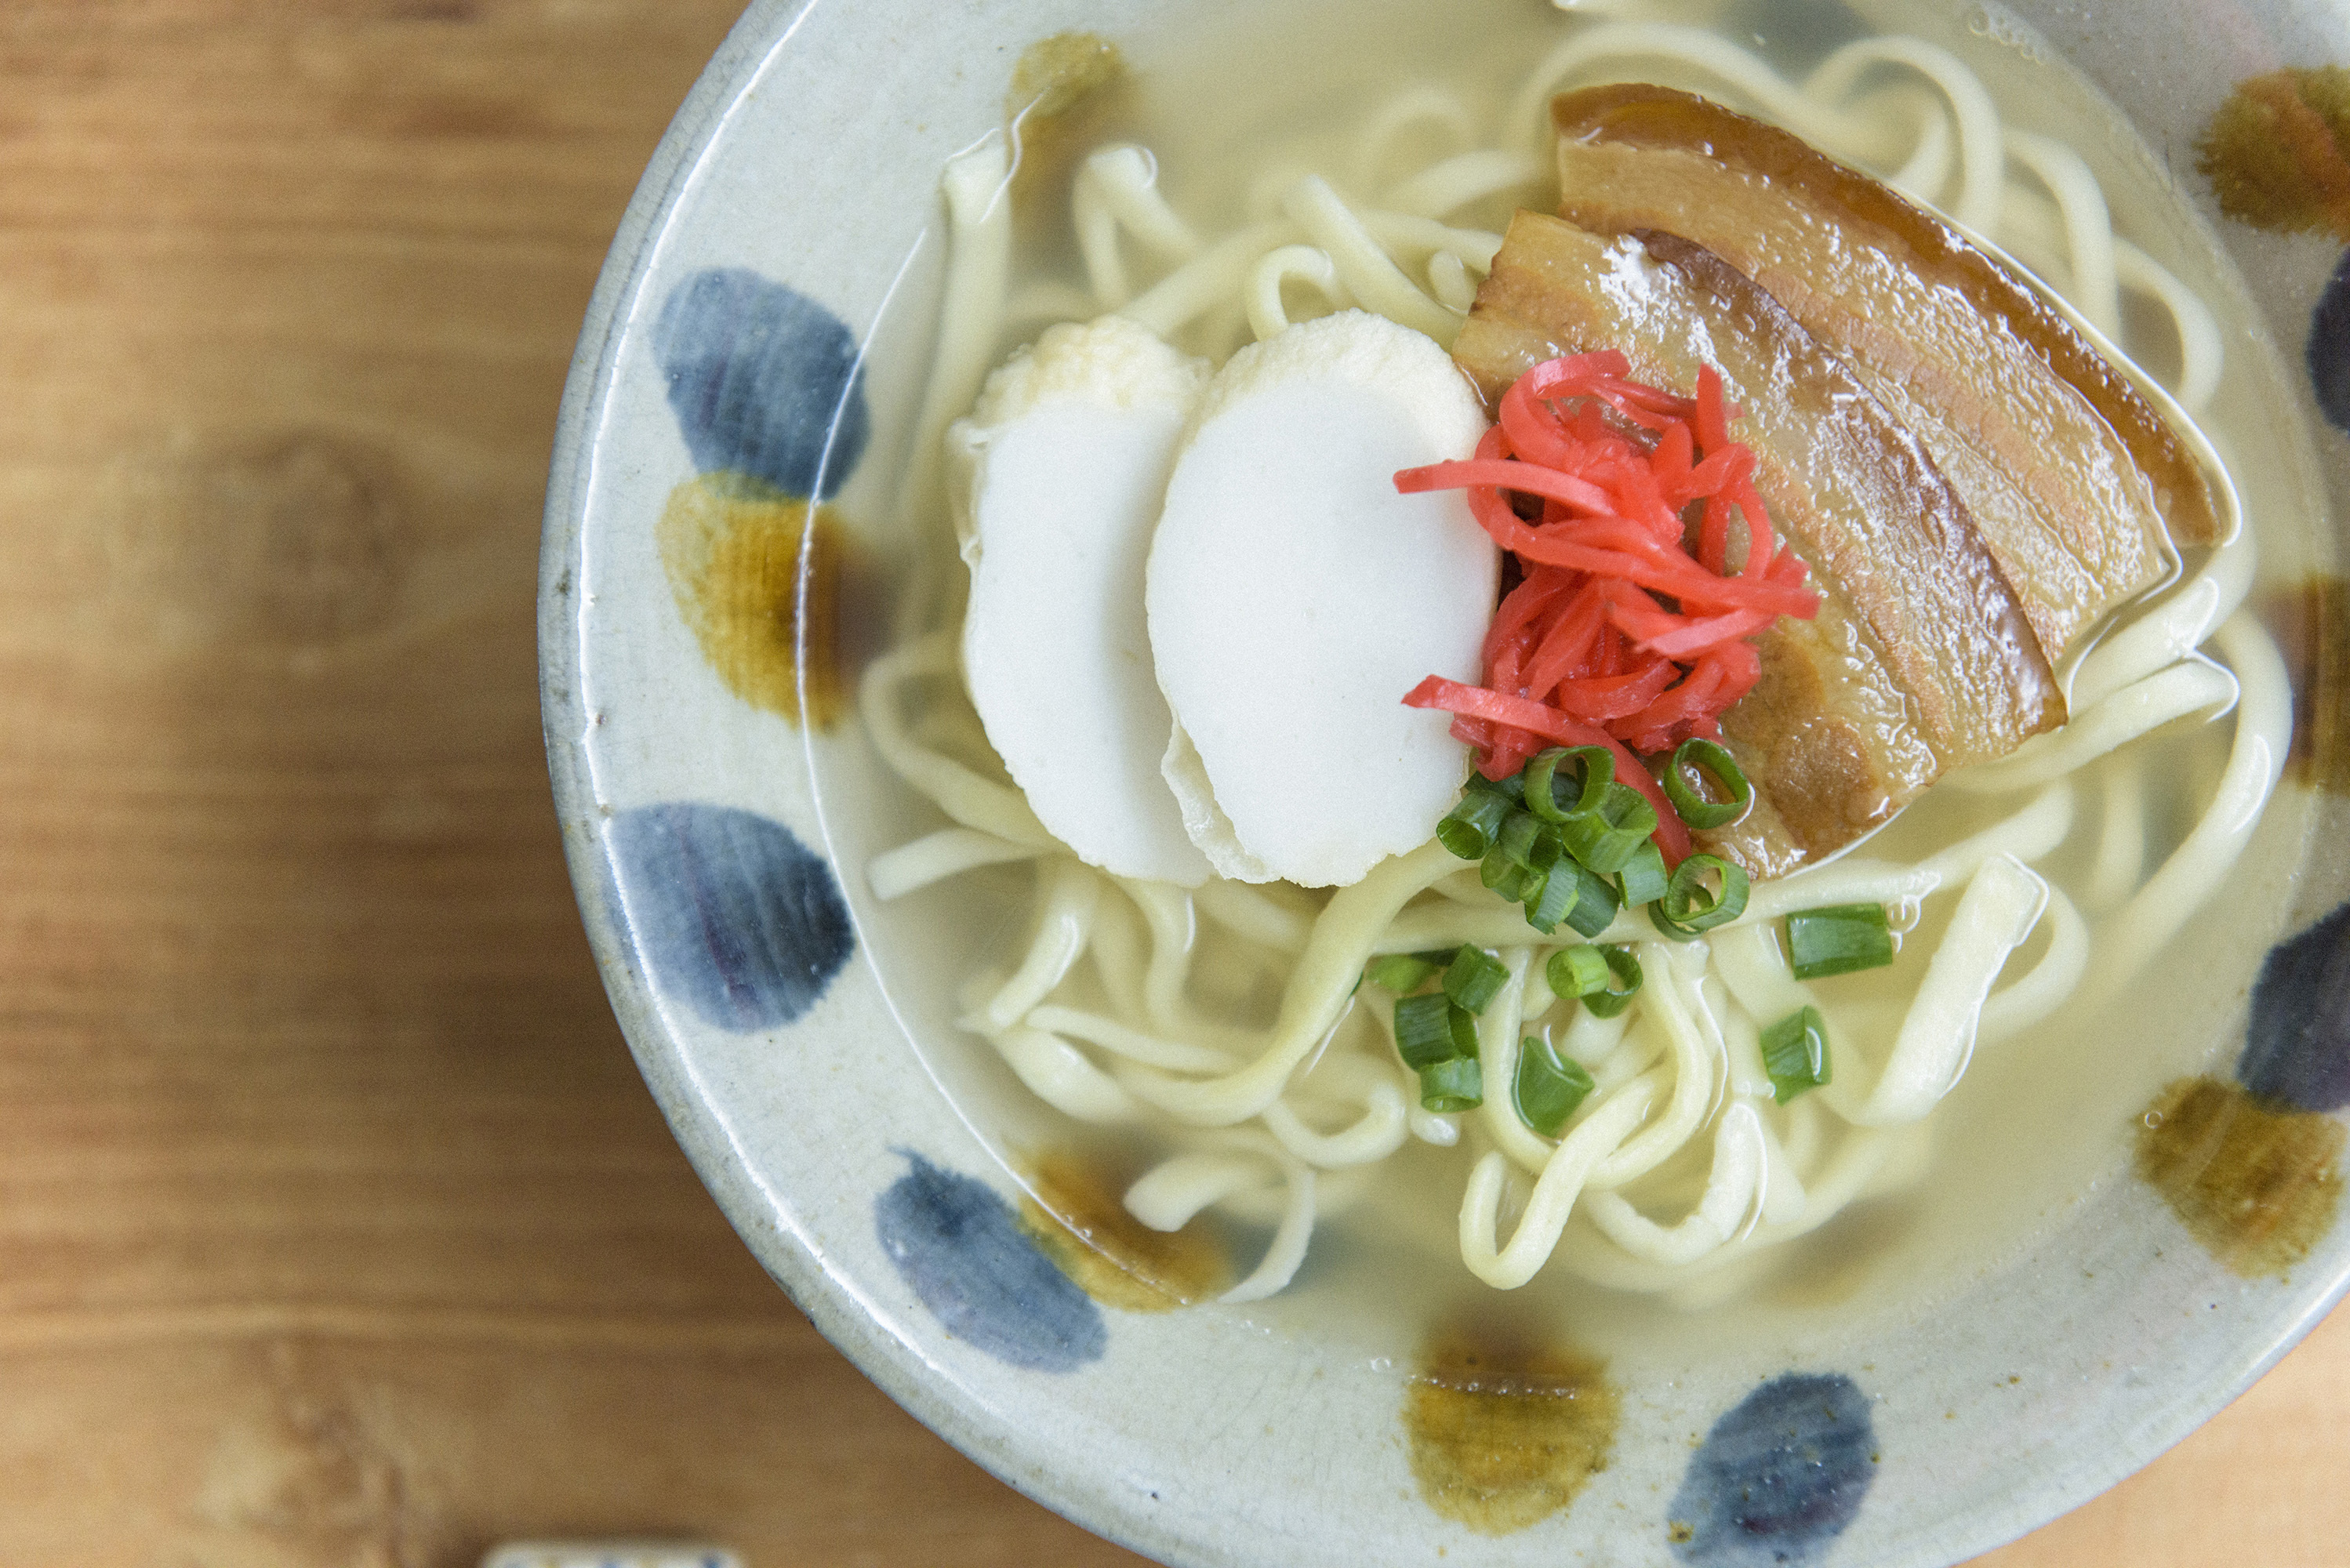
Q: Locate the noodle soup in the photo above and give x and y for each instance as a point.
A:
(1085, 984)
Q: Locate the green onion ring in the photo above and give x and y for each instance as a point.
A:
(1608, 836)
(1689, 760)
(1626, 968)
(1689, 907)
(1598, 770)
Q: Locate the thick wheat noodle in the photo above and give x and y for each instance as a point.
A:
(1060, 1075)
(1210, 279)
(1695, 1083)
(2193, 685)
(1982, 152)
(2255, 759)
(1497, 1059)
(2120, 862)
(1379, 1134)
(2047, 984)
(1641, 1047)
(1167, 1197)
(1591, 1039)
(1529, 122)
(1370, 275)
(1405, 233)
(1133, 1045)
(1552, 1203)
(938, 856)
(1246, 912)
(2088, 226)
(2002, 906)
(1117, 192)
(1781, 1201)
(971, 320)
(1929, 164)
(1449, 281)
(2201, 353)
(1444, 188)
(1063, 923)
(1861, 1153)
(1732, 1191)
(1268, 316)
(2163, 637)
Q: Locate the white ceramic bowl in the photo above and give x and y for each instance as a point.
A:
(767, 307)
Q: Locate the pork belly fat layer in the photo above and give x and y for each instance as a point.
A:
(2069, 472)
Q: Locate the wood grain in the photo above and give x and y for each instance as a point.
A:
(335, 1225)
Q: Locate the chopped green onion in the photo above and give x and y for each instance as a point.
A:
(1506, 876)
(1527, 840)
(1570, 893)
(1643, 878)
(1795, 1054)
(1837, 940)
(1474, 978)
(1560, 890)
(1605, 837)
(1625, 970)
(1596, 766)
(1424, 1029)
(1690, 907)
(1406, 972)
(1548, 1087)
(1511, 789)
(1595, 910)
(1537, 780)
(1576, 972)
(1470, 828)
(1680, 782)
(1455, 1086)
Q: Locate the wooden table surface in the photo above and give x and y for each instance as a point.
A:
(336, 1227)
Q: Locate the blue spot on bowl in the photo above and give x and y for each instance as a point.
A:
(730, 913)
(1779, 1477)
(2328, 350)
(2297, 1045)
(764, 380)
(962, 1250)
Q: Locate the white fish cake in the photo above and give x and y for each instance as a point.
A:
(1064, 460)
(1295, 598)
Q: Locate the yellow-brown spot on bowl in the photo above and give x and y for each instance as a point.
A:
(1077, 1212)
(2277, 152)
(1069, 93)
(2312, 623)
(1504, 1430)
(2254, 1180)
(748, 564)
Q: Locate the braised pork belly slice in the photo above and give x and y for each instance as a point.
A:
(2069, 472)
(1922, 658)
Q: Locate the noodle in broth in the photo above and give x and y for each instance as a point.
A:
(1231, 1027)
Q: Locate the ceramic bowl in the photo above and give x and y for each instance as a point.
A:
(766, 311)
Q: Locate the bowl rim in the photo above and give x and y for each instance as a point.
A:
(967, 1423)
